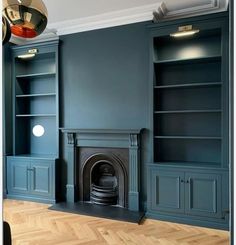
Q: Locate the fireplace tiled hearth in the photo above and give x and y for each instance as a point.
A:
(103, 173)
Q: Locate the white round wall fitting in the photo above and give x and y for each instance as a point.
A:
(38, 130)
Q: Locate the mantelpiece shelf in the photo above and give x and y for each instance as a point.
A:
(190, 60)
(36, 75)
(187, 111)
(186, 85)
(35, 95)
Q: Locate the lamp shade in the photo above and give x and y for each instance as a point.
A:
(6, 30)
(28, 18)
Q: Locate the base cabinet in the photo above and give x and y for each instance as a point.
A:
(168, 191)
(194, 195)
(31, 179)
(203, 194)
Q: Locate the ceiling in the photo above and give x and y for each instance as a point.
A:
(75, 9)
(72, 16)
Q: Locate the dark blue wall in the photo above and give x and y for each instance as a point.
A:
(104, 81)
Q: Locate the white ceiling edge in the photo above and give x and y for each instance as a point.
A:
(123, 17)
(135, 15)
(111, 19)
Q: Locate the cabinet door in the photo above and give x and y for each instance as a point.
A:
(167, 191)
(42, 177)
(203, 194)
(17, 176)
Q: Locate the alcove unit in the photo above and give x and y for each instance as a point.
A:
(32, 168)
(188, 176)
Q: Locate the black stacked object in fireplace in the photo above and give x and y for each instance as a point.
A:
(104, 186)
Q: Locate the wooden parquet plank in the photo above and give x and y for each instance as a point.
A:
(33, 224)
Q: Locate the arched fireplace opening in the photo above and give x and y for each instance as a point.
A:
(104, 176)
(104, 184)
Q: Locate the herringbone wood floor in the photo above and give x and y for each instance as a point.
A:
(34, 224)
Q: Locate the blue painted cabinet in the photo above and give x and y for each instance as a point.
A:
(188, 194)
(203, 194)
(31, 179)
(168, 191)
(42, 176)
(17, 176)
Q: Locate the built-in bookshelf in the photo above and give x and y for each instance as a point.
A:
(32, 169)
(36, 102)
(187, 92)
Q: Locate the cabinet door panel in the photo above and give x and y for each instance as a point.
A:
(203, 194)
(41, 177)
(167, 191)
(17, 176)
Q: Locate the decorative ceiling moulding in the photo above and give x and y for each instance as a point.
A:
(111, 19)
(160, 10)
(209, 6)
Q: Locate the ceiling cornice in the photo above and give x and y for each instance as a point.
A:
(114, 18)
(211, 6)
(137, 14)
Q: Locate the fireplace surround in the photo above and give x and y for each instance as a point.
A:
(98, 159)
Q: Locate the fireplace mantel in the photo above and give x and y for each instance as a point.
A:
(113, 138)
(101, 131)
(122, 138)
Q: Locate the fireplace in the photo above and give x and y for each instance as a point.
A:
(102, 175)
(103, 167)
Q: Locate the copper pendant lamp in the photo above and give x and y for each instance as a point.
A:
(27, 18)
(6, 30)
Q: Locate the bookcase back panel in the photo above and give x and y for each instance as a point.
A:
(188, 124)
(44, 63)
(45, 144)
(35, 85)
(188, 99)
(205, 43)
(188, 150)
(28, 143)
(198, 72)
(36, 105)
